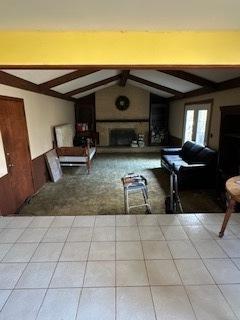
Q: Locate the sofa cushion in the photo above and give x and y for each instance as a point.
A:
(190, 151)
(206, 156)
(173, 159)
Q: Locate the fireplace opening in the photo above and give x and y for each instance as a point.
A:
(122, 137)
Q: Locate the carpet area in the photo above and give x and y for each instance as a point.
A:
(101, 192)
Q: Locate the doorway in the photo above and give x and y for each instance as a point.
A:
(196, 122)
(18, 178)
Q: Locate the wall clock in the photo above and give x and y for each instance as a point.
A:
(122, 103)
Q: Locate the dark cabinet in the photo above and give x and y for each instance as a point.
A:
(85, 111)
(158, 120)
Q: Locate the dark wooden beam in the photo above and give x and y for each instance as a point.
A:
(92, 86)
(221, 86)
(154, 85)
(16, 82)
(124, 77)
(190, 78)
(66, 78)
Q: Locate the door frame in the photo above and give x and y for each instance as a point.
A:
(200, 102)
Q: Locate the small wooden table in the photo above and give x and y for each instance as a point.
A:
(233, 190)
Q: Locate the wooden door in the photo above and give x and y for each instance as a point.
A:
(16, 146)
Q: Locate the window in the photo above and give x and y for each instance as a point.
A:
(196, 122)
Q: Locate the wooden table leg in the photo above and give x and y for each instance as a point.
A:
(230, 210)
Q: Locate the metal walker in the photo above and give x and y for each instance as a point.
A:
(133, 183)
(173, 202)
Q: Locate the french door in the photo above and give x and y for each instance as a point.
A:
(196, 122)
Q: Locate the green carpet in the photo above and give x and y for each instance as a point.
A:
(101, 192)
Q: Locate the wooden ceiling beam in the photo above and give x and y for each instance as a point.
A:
(67, 77)
(16, 82)
(183, 75)
(124, 77)
(155, 85)
(221, 86)
(92, 86)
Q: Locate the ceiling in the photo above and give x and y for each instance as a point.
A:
(74, 84)
(151, 15)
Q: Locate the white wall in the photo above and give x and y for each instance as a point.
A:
(223, 98)
(42, 114)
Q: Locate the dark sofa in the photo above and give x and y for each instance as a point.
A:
(195, 165)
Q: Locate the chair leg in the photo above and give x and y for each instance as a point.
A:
(88, 166)
(230, 210)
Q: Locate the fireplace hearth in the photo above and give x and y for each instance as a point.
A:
(121, 137)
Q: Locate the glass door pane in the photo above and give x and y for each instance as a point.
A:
(189, 125)
(201, 126)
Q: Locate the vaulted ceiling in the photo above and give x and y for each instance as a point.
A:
(72, 84)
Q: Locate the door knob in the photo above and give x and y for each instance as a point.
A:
(11, 165)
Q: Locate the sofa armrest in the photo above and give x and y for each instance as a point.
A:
(171, 151)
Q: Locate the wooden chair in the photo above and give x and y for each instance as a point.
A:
(233, 190)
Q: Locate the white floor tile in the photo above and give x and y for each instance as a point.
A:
(100, 274)
(156, 250)
(134, 303)
(36, 275)
(127, 234)
(237, 262)
(4, 294)
(59, 304)
(210, 218)
(171, 302)
(97, 304)
(235, 228)
(214, 230)
(147, 220)
(129, 250)
(4, 221)
(62, 221)
(231, 247)
(105, 221)
(188, 220)
(75, 251)
(151, 233)
(10, 273)
(4, 248)
(193, 272)
(104, 234)
(126, 220)
(209, 249)
(232, 293)
(83, 221)
(131, 273)
(47, 252)
(197, 232)
(41, 222)
(19, 222)
(68, 274)
(182, 249)
(223, 271)
(20, 252)
(174, 233)
(80, 234)
(208, 303)
(10, 235)
(162, 272)
(168, 220)
(56, 235)
(102, 251)
(23, 305)
(32, 235)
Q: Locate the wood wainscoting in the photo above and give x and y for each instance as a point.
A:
(40, 172)
(175, 141)
(40, 177)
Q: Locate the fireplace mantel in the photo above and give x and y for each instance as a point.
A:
(123, 120)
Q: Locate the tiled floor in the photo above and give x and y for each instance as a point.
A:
(149, 267)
